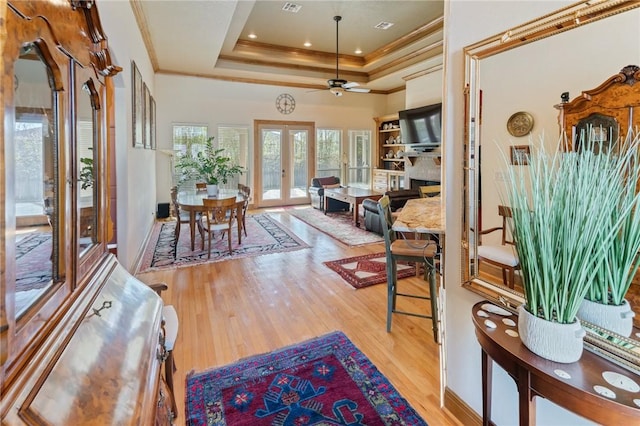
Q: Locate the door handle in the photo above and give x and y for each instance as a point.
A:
(282, 172)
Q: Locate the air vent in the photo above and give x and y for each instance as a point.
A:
(384, 25)
(291, 7)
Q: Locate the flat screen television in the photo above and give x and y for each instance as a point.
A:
(422, 125)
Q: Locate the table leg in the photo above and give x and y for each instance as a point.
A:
(355, 214)
(239, 220)
(527, 405)
(487, 367)
(192, 226)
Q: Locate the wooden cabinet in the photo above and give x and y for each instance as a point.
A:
(390, 159)
(80, 338)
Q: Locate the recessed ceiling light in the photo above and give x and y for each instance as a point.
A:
(307, 44)
(252, 35)
(384, 25)
(358, 51)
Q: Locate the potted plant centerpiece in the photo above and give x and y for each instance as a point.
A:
(210, 166)
(567, 212)
(605, 304)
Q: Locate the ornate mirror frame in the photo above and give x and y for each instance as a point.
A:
(619, 349)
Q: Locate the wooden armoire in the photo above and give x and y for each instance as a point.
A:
(81, 340)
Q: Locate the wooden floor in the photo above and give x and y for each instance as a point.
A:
(234, 309)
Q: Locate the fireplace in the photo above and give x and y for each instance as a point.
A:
(417, 183)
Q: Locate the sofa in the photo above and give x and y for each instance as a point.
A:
(316, 193)
(397, 200)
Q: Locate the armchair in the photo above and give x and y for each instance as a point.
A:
(316, 193)
(397, 200)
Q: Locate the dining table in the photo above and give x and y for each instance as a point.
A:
(191, 201)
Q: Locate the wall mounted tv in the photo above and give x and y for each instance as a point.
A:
(422, 125)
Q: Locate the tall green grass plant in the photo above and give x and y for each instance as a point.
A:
(567, 212)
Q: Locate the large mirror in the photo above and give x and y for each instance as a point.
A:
(86, 152)
(33, 180)
(515, 79)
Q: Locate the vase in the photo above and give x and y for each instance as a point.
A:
(212, 190)
(550, 340)
(616, 318)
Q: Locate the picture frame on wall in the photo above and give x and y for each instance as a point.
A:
(137, 109)
(147, 118)
(152, 117)
(520, 155)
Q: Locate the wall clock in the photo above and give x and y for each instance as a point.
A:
(520, 124)
(285, 103)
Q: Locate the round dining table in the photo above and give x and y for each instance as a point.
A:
(191, 201)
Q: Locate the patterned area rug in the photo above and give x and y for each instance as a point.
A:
(265, 235)
(367, 270)
(33, 261)
(338, 225)
(324, 381)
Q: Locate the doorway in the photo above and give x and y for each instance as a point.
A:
(284, 162)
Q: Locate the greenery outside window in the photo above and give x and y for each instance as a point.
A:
(328, 152)
(235, 142)
(359, 165)
(188, 139)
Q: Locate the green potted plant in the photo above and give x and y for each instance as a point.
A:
(566, 213)
(86, 173)
(605, 304)
(209, 166)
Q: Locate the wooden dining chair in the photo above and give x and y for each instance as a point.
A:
(181, 217)
(218, 215)
(246, 193)
(503, 254)
(417, 251)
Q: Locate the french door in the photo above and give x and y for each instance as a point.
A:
(284, 162)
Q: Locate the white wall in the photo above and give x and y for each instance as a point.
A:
(135, 168)
(214, 102)
(467, 22)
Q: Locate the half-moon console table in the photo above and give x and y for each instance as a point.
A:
(592, 387)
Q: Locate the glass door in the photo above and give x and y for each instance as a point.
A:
(283, 169)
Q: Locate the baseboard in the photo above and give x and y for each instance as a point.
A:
(458, 408)
(138, 259)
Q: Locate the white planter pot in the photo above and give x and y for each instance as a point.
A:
(617, 318)
(212, 190)
(550, 340)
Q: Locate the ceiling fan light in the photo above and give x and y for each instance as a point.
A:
(337, 91)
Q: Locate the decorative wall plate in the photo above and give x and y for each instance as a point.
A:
(520, 124)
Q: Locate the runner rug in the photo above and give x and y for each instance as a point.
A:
(323, 381)
(265, 235)
(367, 270)
(338, 225)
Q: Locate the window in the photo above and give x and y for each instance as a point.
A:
(235, 142)
(359, 167)
(328, 152)
(187, 140)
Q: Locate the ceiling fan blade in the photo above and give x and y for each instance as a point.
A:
(358, 90)
(350, 85)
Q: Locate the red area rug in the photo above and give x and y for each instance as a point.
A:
(369, 269)
(265, 235)
(338, 225)
(324, 381)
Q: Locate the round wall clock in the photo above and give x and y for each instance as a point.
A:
(520, 124)
(285, 103)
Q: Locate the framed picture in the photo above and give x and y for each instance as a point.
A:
(520, 155)
(152, 118)
(137, 106)
(147, 118)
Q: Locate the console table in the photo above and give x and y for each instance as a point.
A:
(592, 387)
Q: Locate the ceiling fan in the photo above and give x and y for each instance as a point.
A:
(337, 86)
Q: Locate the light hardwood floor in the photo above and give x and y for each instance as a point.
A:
(234, 309)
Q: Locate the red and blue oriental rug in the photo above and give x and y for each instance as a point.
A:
(323, 381)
